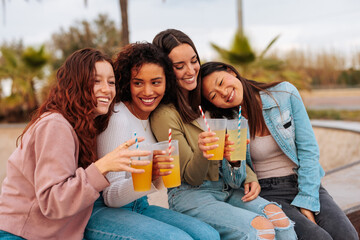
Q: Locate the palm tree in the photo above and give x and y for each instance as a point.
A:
(23, 67)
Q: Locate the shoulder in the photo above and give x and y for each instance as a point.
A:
(53, 127)
(283, 86)
(56, 120)
(164, 110)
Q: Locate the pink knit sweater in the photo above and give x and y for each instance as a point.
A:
(45, 194)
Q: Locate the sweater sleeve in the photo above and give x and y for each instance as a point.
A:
(62, 188)
(193, 165)
(121, 190)
(250, 175)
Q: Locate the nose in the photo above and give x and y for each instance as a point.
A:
(148, 90)
(222, 91)
(190, 69)
(105, 87)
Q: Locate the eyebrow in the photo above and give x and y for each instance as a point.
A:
(152, 79)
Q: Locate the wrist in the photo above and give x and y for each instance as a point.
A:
(101, 167)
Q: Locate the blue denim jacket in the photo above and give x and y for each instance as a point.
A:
(289, 124)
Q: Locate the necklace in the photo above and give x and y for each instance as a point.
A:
(147, 123)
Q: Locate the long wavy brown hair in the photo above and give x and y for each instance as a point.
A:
(73, 97)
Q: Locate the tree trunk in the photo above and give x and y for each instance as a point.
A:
(124, 22)
(240, 17)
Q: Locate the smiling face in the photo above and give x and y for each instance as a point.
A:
(104, 87)
(147, 86)
(222, 89)
(186, 66)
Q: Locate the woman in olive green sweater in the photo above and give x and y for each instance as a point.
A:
(220, 193)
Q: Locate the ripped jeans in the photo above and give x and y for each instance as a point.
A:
(332, 223)
(217, 204)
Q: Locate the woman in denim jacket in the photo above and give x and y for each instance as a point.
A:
(283, 148)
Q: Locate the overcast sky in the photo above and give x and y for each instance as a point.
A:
(330, 25)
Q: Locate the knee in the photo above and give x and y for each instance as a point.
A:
(206, 232)
(276, 216)
(265, 229)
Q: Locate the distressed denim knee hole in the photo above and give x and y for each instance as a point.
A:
(264, 228)
(276, 216)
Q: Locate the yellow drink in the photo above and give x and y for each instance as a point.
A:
(173, 179)
(219, 151)
(142, 181)
(240, 146)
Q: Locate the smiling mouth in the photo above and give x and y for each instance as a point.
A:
(147, 101)
(103, 99)
(231, 96)
(189, 80)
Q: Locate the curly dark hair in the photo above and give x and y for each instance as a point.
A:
(134, 55)
(73, 97)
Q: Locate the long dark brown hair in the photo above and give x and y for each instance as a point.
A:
(73, 97)
(167, 40)
(251, 103)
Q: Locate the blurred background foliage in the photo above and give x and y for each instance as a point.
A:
(31, 70)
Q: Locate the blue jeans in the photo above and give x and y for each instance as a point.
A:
(332, 223)
(217, 204)
(139, 220)
(9, 236)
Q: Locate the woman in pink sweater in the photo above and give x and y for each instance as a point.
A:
(54, 177)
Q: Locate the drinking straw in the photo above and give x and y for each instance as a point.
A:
(203, 116)
(136, 141)
(169, 141)
(239, 124)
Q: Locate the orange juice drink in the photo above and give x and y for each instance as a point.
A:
(172, 180)
(219, 151)
(217, 125)
(240, 141)
(142, 181)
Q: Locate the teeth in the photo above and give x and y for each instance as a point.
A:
(148, 100)
(103, 100)
(231, 96)
(189, 79)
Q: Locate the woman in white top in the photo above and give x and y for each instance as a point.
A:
(144, 79)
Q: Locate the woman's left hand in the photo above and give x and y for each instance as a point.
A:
(309, 214)
(252, 190)
(161, 161)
